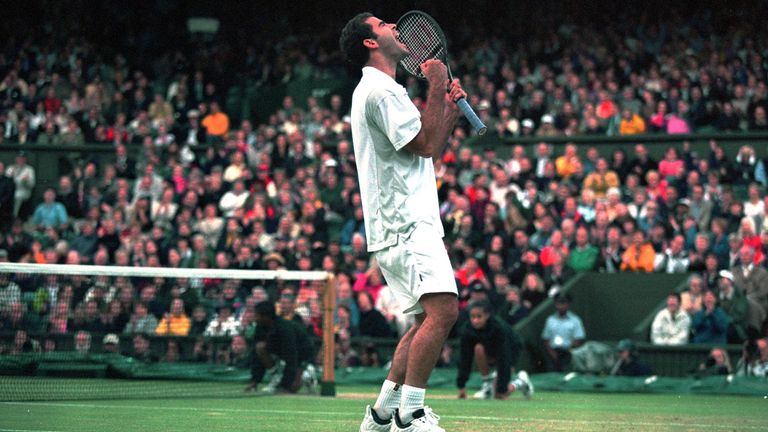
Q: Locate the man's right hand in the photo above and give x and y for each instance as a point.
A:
(435, 71)
(462, 394)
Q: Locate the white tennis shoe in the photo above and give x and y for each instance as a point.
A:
(275, 374)
(485, 392)
(372, 422)
(424, 420)
(527, 384)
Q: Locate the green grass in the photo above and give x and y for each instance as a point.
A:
(548, 411)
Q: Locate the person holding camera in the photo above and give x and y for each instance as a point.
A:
(717, 363)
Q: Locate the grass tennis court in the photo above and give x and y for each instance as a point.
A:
(548, 411)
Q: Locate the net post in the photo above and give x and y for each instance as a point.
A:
(328, 384)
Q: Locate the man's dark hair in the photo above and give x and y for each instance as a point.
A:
(266, 309)
(352, 37)
(485, 305)
(675, 295)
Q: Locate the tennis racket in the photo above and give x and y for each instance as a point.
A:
(425, 40)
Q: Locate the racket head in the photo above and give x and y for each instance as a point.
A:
(424, 38)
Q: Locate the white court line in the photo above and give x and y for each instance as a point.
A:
(355, 415)
(26, 430)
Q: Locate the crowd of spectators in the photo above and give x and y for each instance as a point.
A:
(190, 186)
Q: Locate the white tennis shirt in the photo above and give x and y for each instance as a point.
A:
(397, 187)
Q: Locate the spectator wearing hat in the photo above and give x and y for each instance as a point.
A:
(111, 344)
(672, 325)
(629, 363)
(527, 128)
(273, 260)
(733, 302)
(547, 127)
(562, 332)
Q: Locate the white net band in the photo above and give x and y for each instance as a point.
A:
(95, 270)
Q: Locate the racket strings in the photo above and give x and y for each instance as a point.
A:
(423, 42)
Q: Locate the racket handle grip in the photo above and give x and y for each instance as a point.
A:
(469, 113)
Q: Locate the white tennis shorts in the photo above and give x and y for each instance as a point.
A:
(418, 264)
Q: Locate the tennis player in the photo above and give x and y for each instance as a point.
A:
(394, 145)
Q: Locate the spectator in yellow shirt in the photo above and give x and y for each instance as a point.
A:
(216, 123)
(639, 256)
(567, 164)
(631, 123)
(601, 179)
(176, 322)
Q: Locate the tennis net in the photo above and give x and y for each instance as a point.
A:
(101, 332)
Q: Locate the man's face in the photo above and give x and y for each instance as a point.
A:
(673, 305)
(746, 255)
(762, 346)
(386, 38)
(725, 285)
(140, 345)
(582, 237)
(238, 345)
(677, 244)
(709, 300)
(177, 307)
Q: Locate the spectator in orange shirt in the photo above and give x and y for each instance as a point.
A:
(176, 322)
(216, 123)
(639, 256)
(631, 123)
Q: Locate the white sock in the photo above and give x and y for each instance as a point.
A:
(486, 378)
(518, 383)
(412, 399)
(388, 401)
